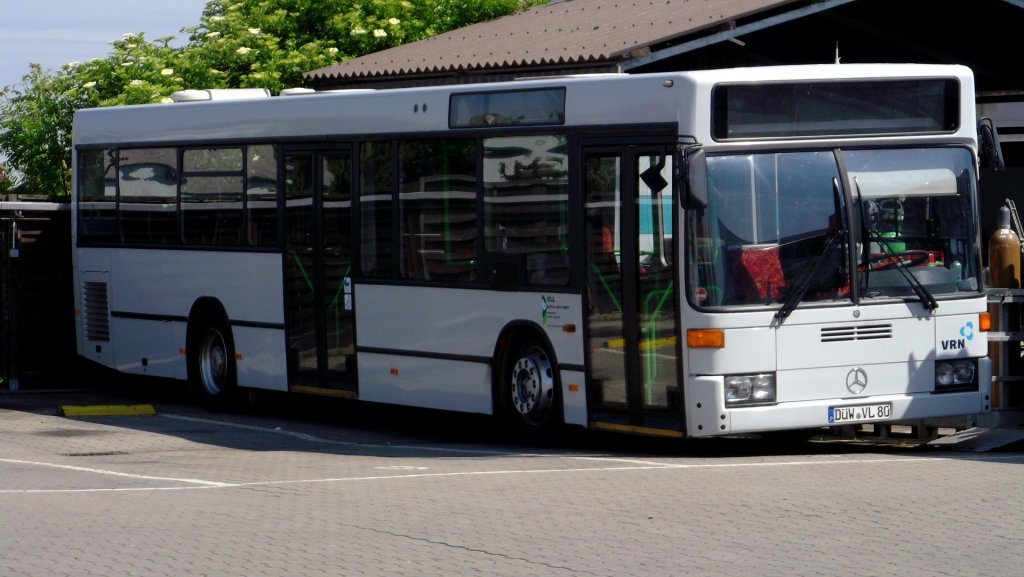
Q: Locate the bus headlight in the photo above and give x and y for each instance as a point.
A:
(955, 375)
(750, 389)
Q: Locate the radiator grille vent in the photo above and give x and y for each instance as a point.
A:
(96, 313)
(856, 333)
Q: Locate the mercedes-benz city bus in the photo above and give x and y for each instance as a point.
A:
(682, 254)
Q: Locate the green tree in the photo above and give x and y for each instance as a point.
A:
(136, 71)
(271, 43)
(35, 130)
(237, 44)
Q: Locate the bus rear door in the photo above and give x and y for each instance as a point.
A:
(319, 300)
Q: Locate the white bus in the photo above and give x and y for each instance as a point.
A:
(679, 254)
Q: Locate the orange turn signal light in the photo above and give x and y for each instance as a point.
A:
(984, 322)
(705, 338)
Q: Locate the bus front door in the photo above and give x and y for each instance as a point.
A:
(631, 325)
(319, 312)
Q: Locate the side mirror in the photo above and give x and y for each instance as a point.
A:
(696, 196)
(991, 152)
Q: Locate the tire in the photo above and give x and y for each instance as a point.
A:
(212, 362)
(531, 394)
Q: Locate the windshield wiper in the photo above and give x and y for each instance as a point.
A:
(920, 290)
(803, 283)
(808, 275)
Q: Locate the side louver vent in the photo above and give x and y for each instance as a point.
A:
(96, 313)
(856, 333)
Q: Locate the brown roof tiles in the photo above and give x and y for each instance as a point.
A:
(561, 33)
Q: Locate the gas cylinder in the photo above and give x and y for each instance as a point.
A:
(1004, 254)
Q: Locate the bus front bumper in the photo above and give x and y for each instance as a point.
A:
(707, 414)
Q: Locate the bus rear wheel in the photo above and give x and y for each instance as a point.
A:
(213, 365)
(531, 390)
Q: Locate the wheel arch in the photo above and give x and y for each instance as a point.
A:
(205, 310)
(510, 338)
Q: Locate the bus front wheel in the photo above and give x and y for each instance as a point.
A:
(531, 389)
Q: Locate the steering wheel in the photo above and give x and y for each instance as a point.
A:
(888, 260)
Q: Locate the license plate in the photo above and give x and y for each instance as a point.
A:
(859, 413)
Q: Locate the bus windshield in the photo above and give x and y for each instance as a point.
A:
(793, 226)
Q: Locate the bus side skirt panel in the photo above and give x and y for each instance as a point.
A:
(260, 360)
(431, 383)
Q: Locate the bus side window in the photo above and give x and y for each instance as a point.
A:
(211, 196)
(375, 206)
(148, 191)
(438, 210)
(526, 205)
(261, 195)
(97, 196)
(211, 209)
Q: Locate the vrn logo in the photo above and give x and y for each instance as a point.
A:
(967, 332)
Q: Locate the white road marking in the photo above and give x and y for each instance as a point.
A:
(659, 467)
(625, 464)
(114, 473)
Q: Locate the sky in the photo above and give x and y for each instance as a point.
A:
(53, 33)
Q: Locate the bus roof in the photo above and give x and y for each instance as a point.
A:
(590, 100)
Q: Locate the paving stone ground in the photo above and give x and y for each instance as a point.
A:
(252, 494)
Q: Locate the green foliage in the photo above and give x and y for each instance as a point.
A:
(136, 71)
(35, 130)
(271, 43)
(237, 44)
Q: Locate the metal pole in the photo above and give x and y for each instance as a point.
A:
(11, 255)
(5, 295)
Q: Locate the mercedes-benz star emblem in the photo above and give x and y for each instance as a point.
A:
(857, 380)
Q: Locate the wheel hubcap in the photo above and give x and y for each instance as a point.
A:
(213, 363)
(532, 385)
